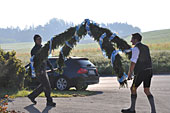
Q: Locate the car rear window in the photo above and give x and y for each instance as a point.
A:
(53, 62)
(85, 63)
(82, 62)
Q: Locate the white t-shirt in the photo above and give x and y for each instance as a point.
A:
(135, 54)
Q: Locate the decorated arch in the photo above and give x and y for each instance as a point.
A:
(109, 42)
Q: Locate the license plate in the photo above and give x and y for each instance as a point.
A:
(91, 72)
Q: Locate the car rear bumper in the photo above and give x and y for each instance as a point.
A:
(90, 79)
(92, 82)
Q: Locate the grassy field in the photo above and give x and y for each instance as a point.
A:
(91, 50)
(155, 37)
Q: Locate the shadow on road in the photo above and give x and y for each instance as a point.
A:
(32, 109)
(98, 92)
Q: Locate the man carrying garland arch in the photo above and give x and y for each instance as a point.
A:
(142, 66)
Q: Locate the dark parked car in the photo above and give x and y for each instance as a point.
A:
(77, 72)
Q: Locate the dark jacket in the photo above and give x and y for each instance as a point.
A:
(144, 60)
(34, 51)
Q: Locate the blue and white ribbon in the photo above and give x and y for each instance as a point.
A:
(123, 78)
(32, 67)
(112, 36)
(69, 45)
(77, 28)
(87, 21)
(101, 42)
(114, 53)
(102, 37)
(76, 35)
(76, 38)
(50, 48)
(127, 50)
(88, 27)
(61, 51)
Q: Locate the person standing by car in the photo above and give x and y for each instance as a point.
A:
(41, 76)
(141, 64)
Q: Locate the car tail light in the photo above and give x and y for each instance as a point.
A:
(96, 70)
(82, 71)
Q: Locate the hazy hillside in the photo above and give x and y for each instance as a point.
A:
(158, 36)
(54, 27)
(51, 28)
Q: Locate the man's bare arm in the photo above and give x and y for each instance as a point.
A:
(131, 68)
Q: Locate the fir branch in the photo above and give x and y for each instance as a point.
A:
(66, 50)
(122, 45)
(58, 40)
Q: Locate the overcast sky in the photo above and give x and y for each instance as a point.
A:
(146, 14)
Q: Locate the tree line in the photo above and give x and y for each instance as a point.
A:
(54, 27)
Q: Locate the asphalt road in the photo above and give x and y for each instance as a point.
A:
(110, 99)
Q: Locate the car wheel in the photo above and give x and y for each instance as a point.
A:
(81, 87)
(62, 84)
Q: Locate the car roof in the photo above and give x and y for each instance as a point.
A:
(74, 58)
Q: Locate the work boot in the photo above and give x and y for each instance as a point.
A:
(32, 99)
(127, 111)
(52, 104)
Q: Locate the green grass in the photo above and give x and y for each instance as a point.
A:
(154, 37)
(159, 36)
(156, 40)
(24, 93)
(17, 46)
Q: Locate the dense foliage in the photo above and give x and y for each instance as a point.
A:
(11, 70)
(161, 62)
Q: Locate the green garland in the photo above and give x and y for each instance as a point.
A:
(58, 40)
(96, 32)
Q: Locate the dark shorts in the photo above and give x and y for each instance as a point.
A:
(145, 77)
